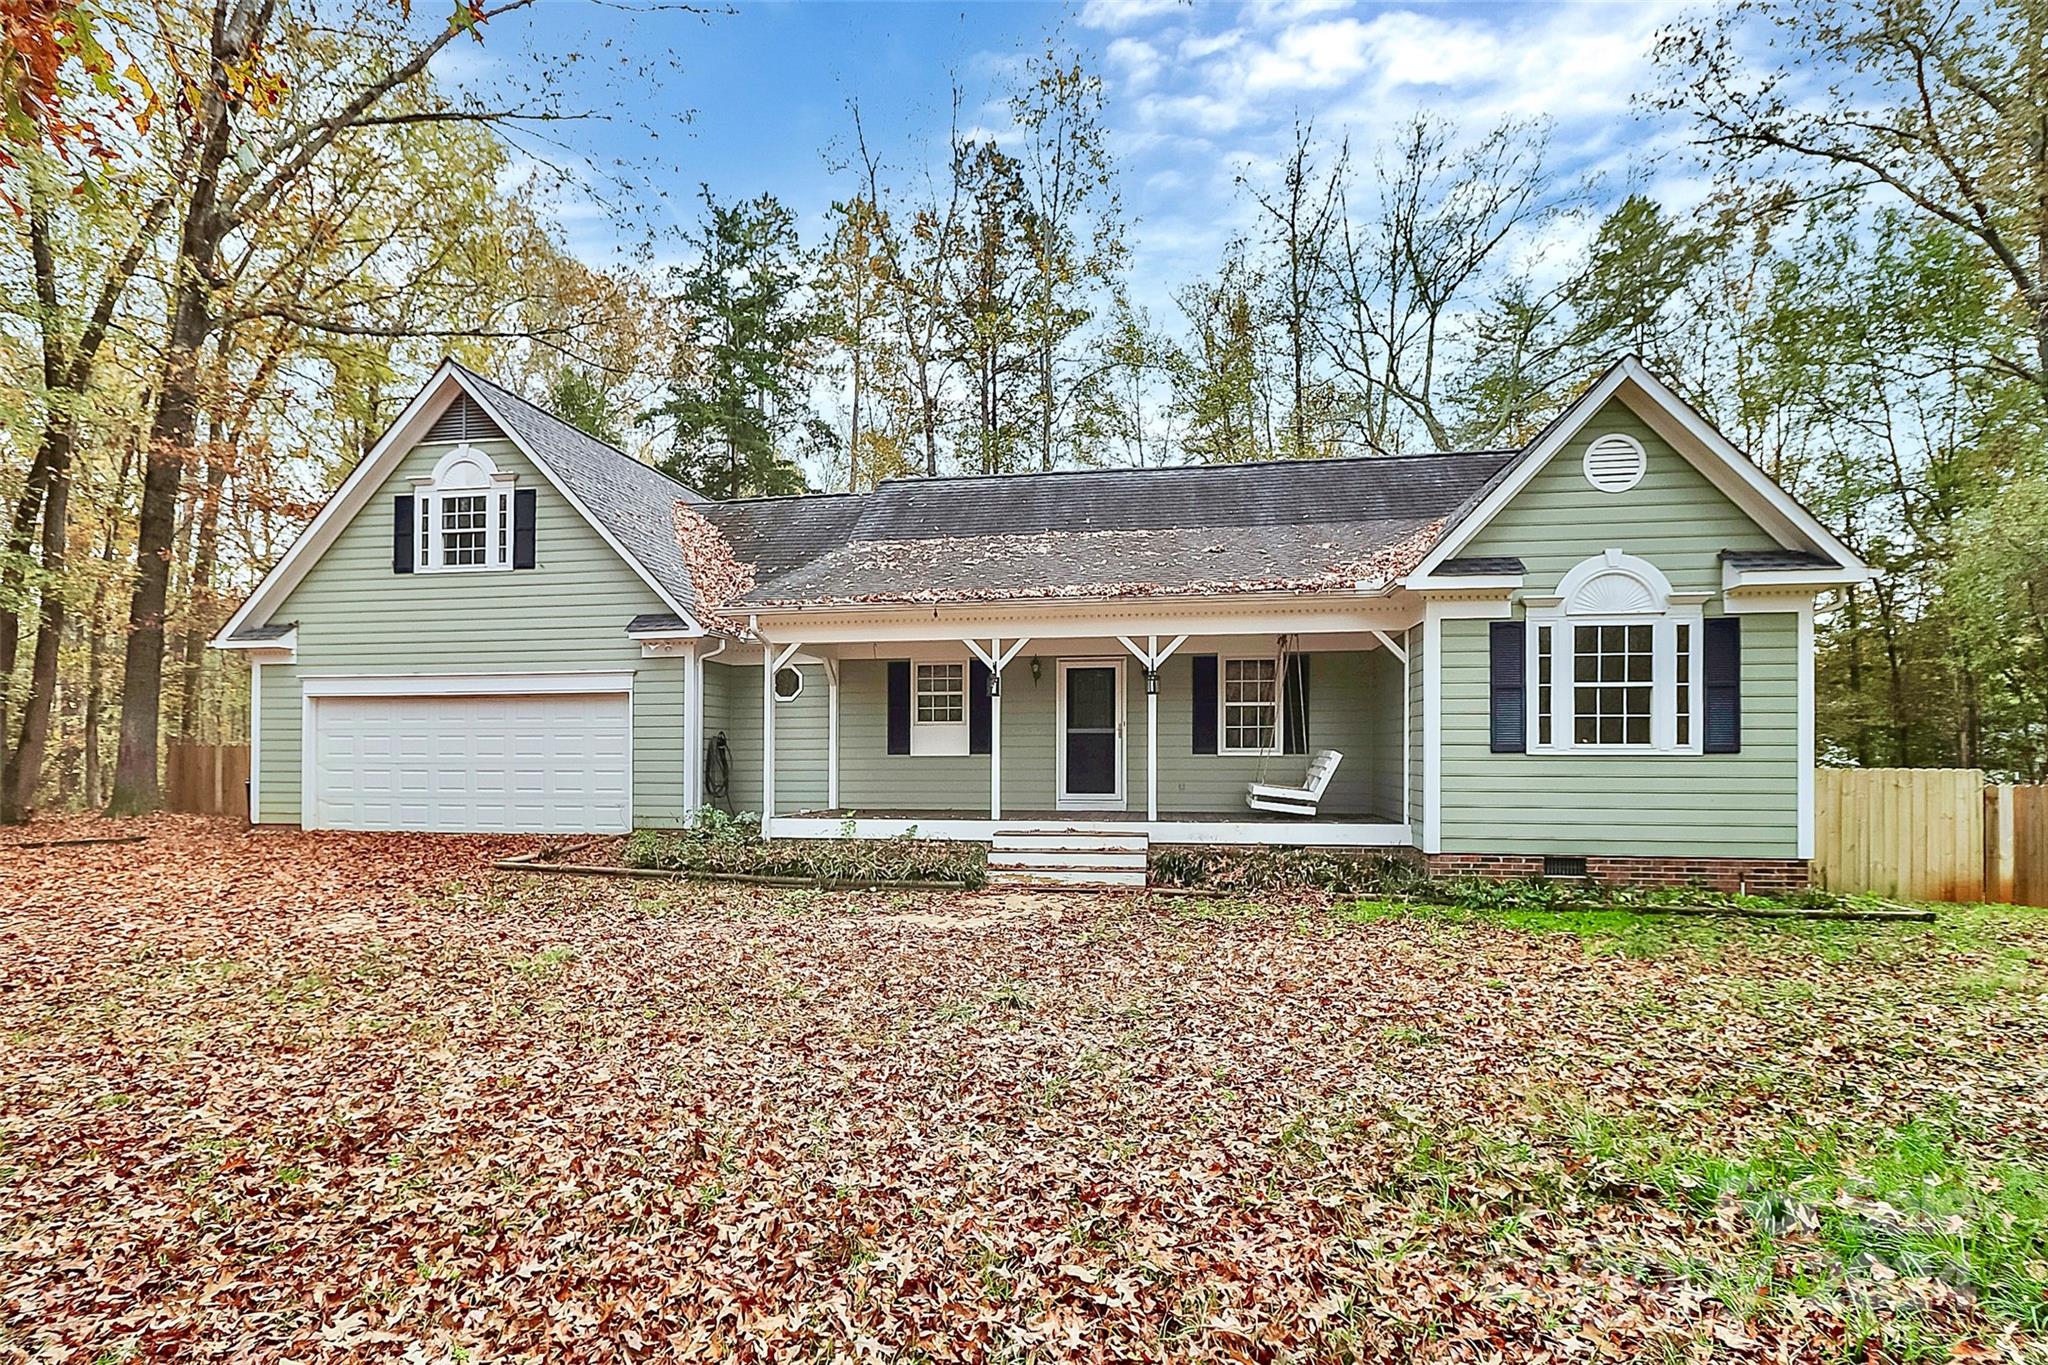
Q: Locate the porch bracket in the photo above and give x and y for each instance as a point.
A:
(1387, 641)
(1150, 657)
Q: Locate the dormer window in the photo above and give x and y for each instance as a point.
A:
(465, 514)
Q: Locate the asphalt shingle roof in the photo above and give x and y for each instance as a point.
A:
(1321, 523)
(633, 501)
(1776, 559)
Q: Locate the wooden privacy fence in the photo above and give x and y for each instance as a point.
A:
(2016, 844)
(206, 779)
(1937, 834)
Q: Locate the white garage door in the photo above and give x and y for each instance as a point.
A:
(557, 764)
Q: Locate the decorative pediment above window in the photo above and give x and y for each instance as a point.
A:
(465, 517)
(1614, 584)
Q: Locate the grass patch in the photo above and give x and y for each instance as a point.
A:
(1850, 1215)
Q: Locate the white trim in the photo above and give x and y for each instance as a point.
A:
(1728, 469)
(1806, 730)
(1328, 613)
(1627, 445)
(429, 547)
(941, 738)
(831, 734)
(693, 731)
(282, 650)
(1661, 609)
(781, 700)
(1407, 727)
(1152, 657)
(1062, 799)
(1737, 579)
(772, 660)
(369, 474)
(1433, 728)
(1290, 833)
(461, 684)
(1279, 705)
(1398, 651)
(255, 739)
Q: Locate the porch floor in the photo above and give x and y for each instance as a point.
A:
(1098, 817)
(1177, 827)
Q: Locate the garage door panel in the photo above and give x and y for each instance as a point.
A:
(515, 763)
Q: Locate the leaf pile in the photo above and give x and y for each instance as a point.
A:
(332, 1097)
(734, 845)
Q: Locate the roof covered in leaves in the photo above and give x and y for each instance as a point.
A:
(1099, 533)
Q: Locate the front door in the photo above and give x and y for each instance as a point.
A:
(1091, 757)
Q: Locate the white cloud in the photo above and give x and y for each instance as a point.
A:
(1118, 15)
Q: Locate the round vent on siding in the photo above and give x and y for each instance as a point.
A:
(1614, 462)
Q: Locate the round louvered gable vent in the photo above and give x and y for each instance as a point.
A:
(1615, 462)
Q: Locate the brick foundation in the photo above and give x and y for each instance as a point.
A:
(1758, 876)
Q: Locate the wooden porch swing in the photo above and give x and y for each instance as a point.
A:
(1306, 798)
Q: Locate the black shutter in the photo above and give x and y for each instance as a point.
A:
(978, 725)
(401, 533)
(524, 504)
(1205, 703)
(1294, 706)
(899, 706)
(1507, 644)
(1722, 667)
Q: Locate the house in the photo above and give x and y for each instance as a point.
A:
(1594, 650)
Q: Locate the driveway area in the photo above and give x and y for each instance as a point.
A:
(358, 1097)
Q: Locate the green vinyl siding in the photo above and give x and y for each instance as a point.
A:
(1675, 517)
(1380, 696)
(568, 613)
(1705, 805)
(1716, 805)
(732, 705)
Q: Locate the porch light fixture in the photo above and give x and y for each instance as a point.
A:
(1037, 670)
(1151, 682)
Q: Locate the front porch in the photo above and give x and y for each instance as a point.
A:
(1088, 719)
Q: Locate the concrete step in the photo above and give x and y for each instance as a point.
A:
(1071, 858)
(1066, 857)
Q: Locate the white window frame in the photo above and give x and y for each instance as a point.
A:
(1656, 606)
(939, 738)
(464, 472)
(795, 672)
(1223, 704)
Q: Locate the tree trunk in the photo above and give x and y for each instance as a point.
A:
(136, 787)
(199, 607)
(24, 768)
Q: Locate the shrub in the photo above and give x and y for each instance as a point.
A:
(725, 844)
(1285, 869)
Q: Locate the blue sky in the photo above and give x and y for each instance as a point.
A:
(1197, 94)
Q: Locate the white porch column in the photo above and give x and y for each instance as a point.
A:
(255, 740)
(1150, 658)
(996, 658)
(767, 737)
(831, 734)
(772, 661)
(693, 732)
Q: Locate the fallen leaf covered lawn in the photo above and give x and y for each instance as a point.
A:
(276, 1095)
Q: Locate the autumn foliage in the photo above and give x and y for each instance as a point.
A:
(346, 1097)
